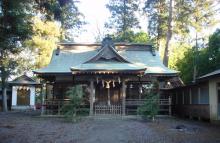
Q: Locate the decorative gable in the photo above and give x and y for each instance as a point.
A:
(24, 79)
(107, 52)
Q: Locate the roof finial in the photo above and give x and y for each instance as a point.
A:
(58, 50)
(107, 41)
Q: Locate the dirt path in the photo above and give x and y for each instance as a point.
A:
(30, 128)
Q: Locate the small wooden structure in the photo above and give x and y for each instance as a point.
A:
(113, 75)
(23, 93)
(200, 99)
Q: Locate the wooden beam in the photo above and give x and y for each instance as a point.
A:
(123, 97)
(91, 96)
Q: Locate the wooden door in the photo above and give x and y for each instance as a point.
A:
(23, 97)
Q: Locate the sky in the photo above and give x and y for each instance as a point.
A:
(96, 14)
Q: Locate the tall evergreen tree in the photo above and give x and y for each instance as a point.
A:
(15, 27)
(65, 11)
(123, 15)
(157, 13)
(169, 34)
(201, 17)
(43, 41)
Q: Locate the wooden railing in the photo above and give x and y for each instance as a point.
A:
(138, 102)
(165, 104)
(108, 110)
(53, 106)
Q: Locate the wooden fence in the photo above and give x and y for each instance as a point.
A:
(54, 107)
(165, 104)
(108, 110)
(139, 102)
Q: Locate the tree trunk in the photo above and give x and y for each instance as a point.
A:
(4, 99)
(169, 34)
(4, 89)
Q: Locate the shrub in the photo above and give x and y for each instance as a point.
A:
(150, 107)
(72, 109)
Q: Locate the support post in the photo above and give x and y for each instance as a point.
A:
(43, 100)
(183, 97)
(91, 97)
(32, 97)
(14, 96)
(190, 96)
(123, 97)
(170, 106)
(199, 95)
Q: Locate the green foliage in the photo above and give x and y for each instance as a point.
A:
(123, 15)
(15, 28)
(188, 16)
(43, 42)
(177, 53)
(185, 66)
(72, 109)
(65, 11)
(214, 50)
(157, 12)
(130, 36)
(206, 59)
(150, 107)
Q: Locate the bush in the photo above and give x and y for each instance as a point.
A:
(72, 109)
(150, 107)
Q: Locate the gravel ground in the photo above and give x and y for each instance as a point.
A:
(24, 127)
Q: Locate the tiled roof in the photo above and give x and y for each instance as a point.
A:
(76, 56)
(216, 72)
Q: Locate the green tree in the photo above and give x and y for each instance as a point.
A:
(123, 15)
(188, 16)
(15, 27)
(43, 42)
(208, 59)
(169, 34)
(72, 109)
(213, 51)
(157, 13)
(65, 11)
(150, 107)
(132, 37)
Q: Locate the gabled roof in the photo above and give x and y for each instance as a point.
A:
(24, 80)
(119, 57)
(214, 73)
(107, 53)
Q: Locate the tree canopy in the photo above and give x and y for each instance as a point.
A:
(64, 11)
(15, 27)
(208, 59)
(123, 15)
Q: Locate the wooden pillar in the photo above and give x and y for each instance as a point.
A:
(43, 99)
(14, 96)
(183, 102)
(123, 97)
(190, 96)
(91, 97)
(176, 98)
(170, 106)
(199, 95)
(32, 97)
(109, 99)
